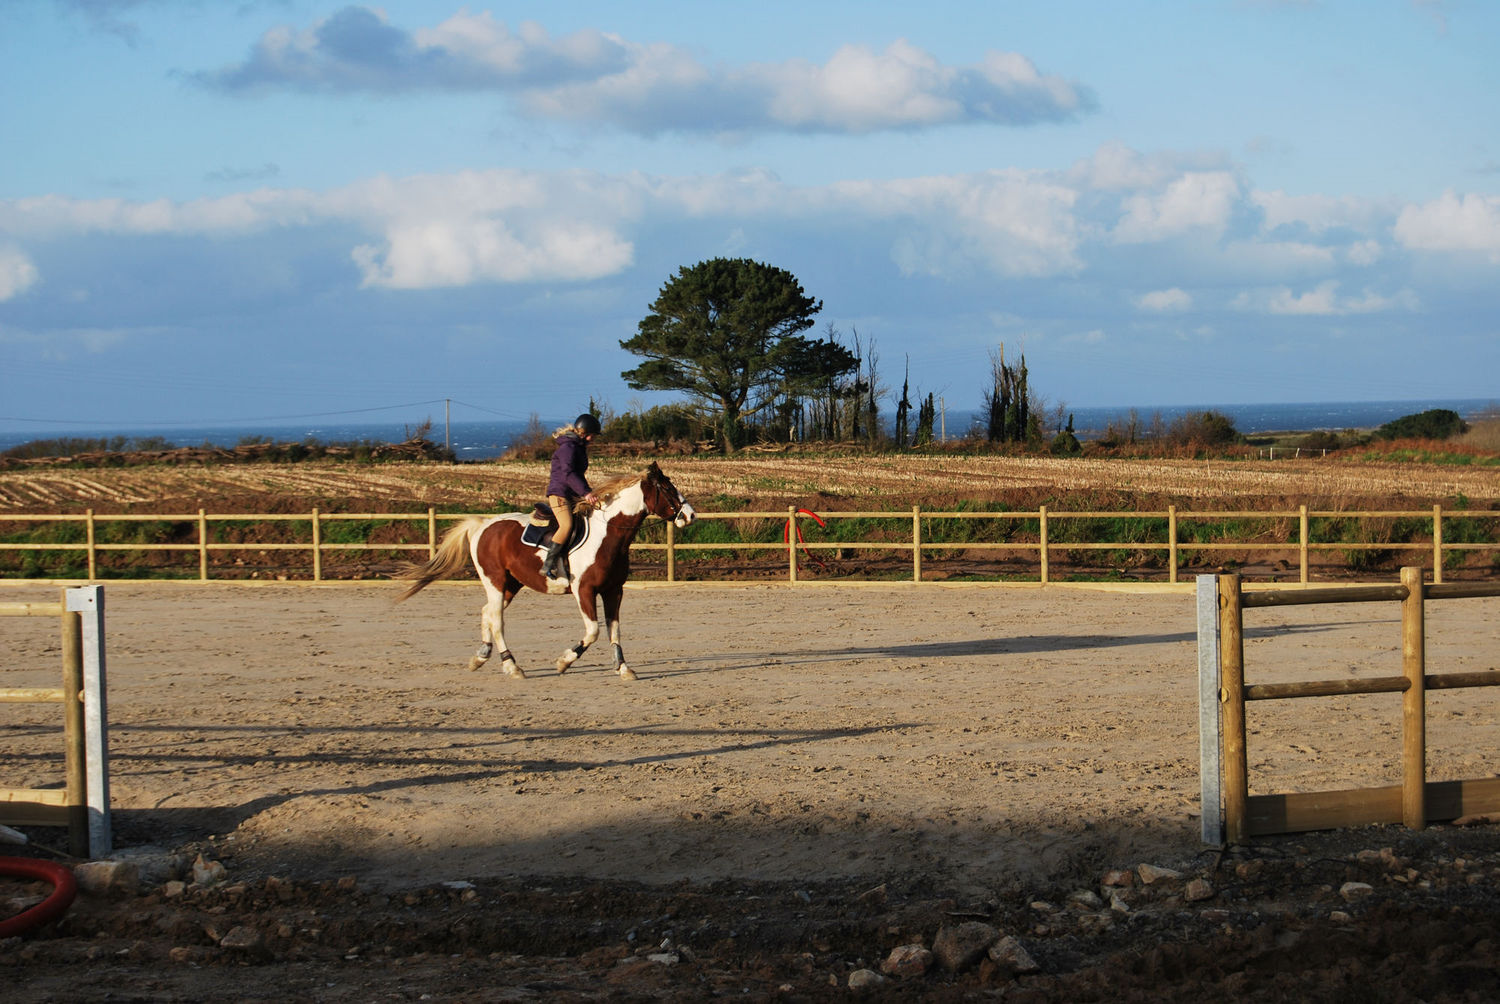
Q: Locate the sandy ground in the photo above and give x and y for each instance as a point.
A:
(802, 779)
(991, 736)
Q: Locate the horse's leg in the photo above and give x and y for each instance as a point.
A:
(492, 630)
(612, 623)
(587, 608)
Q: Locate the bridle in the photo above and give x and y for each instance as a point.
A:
(661, 491)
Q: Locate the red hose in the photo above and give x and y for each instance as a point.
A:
(786, 535)
(64, 888)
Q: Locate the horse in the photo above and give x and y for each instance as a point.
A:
(597, 566)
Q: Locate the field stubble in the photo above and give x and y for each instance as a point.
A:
(751, 482)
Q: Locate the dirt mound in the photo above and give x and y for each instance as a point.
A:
(1322, 918)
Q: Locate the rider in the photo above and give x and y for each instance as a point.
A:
(567, 485)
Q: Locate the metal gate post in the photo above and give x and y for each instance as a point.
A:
(1209, 737)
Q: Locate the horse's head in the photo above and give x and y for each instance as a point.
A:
(663, 499)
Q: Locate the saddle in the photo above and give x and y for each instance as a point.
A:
(543, 524)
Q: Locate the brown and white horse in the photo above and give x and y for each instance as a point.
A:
(598, 566)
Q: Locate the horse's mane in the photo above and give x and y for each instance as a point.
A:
(609, 490)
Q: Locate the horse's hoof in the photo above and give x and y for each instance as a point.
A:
(556, 587)
(626, 673)
(563, 664)
(475, 663)
(511, 669)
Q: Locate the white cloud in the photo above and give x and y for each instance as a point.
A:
(1009, 222)
(1453, 223)
(461, 252)
(1366, 252)
(1317, 213)
(1322, 300)
(1165, 300)
(17, 273)
(594, 77)
(1198, 200)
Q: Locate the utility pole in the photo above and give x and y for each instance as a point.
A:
(447, 424)
(943, 407)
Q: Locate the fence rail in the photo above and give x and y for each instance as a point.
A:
(1172, 535)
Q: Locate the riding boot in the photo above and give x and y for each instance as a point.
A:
(549, 564)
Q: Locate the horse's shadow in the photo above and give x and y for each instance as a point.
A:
(957, 649)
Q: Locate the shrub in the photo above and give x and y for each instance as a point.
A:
(1435, 423)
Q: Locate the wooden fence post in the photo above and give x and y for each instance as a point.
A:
(791, 543)
(202, 546)
(431, 532)
(1413, 703)
(1232, 700)
(317, 541)
(1302, 542)
(671, 551)
(916, 543)
(1172, 543)
(1042, 532)
(1437, 543)
(73, 733)
(93, 553)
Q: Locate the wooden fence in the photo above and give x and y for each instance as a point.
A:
(1230, 812)
(82, 804)
(1042, 534)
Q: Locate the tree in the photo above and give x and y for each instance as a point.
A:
(1007, 402)
(1436, 423)
(727, 332)
(903, 407)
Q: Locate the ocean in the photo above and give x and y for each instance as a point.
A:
(487, 440)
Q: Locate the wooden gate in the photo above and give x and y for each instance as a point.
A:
(1230, 812)
(82, 804)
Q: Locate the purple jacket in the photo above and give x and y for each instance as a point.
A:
(569, 462)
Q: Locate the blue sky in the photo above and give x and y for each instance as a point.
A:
(221, 212)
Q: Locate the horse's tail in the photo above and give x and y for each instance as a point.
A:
(452, 553)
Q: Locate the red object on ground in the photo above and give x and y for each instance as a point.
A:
(64, 888)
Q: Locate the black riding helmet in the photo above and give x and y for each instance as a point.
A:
(586, 424)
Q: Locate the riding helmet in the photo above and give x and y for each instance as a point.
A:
(586, 424)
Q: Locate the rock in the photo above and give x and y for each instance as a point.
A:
(1198, 889)
(1122, 878)
(1118, 903)
(865, 979)
(873, 897)
(1012, 955)
(961, 946)
(206, 872)
(1340, 917)
(1151, 874)
(1354, 891)
(1249, 869)
(907, 960)
(157, 865)
(174, 889)
(664, 958)
(100, 877)
(243, 938)
(1087, 899)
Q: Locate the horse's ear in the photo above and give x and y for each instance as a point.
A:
(653, 469)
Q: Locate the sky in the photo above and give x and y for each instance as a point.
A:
(260, 210)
